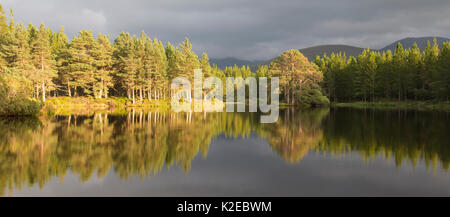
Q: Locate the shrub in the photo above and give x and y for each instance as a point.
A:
(20, 107)
(313, 97)
(14, 95)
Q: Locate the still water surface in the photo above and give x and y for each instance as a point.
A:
(321, 152)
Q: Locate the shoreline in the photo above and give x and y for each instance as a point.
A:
(55, 105)
(67, 104)
(388, 105)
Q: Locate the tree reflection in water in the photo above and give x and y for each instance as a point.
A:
(33, 150)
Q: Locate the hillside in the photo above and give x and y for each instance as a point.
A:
(312, 52)
(421, 42)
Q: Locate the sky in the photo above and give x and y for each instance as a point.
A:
(245, 29)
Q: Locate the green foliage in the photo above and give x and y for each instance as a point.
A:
(79, 67)
(407, 74)
(103, 62)
(14, 100)
(20, 107)
(299, 79)
(43, 61)
(205, 65)
(313, 97)
(136, 67)
(140, 68)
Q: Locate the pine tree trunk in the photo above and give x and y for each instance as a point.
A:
(134, 97)
(140, 92)
(288, 97)
(292, 98)
(101, 89)
(68, 90)
(285, 95)
(190, 97)
(149, 91)
(43, 91)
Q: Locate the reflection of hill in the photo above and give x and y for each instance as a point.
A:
(143, 143)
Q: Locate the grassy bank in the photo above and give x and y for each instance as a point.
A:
(63, 104)
(417, 105)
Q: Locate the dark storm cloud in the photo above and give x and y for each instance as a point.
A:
(249, 29)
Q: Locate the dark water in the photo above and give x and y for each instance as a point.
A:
(337, 152)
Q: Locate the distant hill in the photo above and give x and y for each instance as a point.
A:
(421, 43)
(312, 52)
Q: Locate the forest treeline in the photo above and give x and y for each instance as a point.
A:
(405, 74)
(50, 64)
(37, 62)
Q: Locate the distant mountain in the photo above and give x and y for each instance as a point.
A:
(421, 43)
(312, 52)
(231, 61)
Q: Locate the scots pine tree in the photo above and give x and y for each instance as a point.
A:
(80, 67)
(43, 61)
(102, 52)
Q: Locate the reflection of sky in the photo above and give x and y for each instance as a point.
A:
(248, 167)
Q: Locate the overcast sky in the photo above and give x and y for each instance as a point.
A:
(247, 29)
